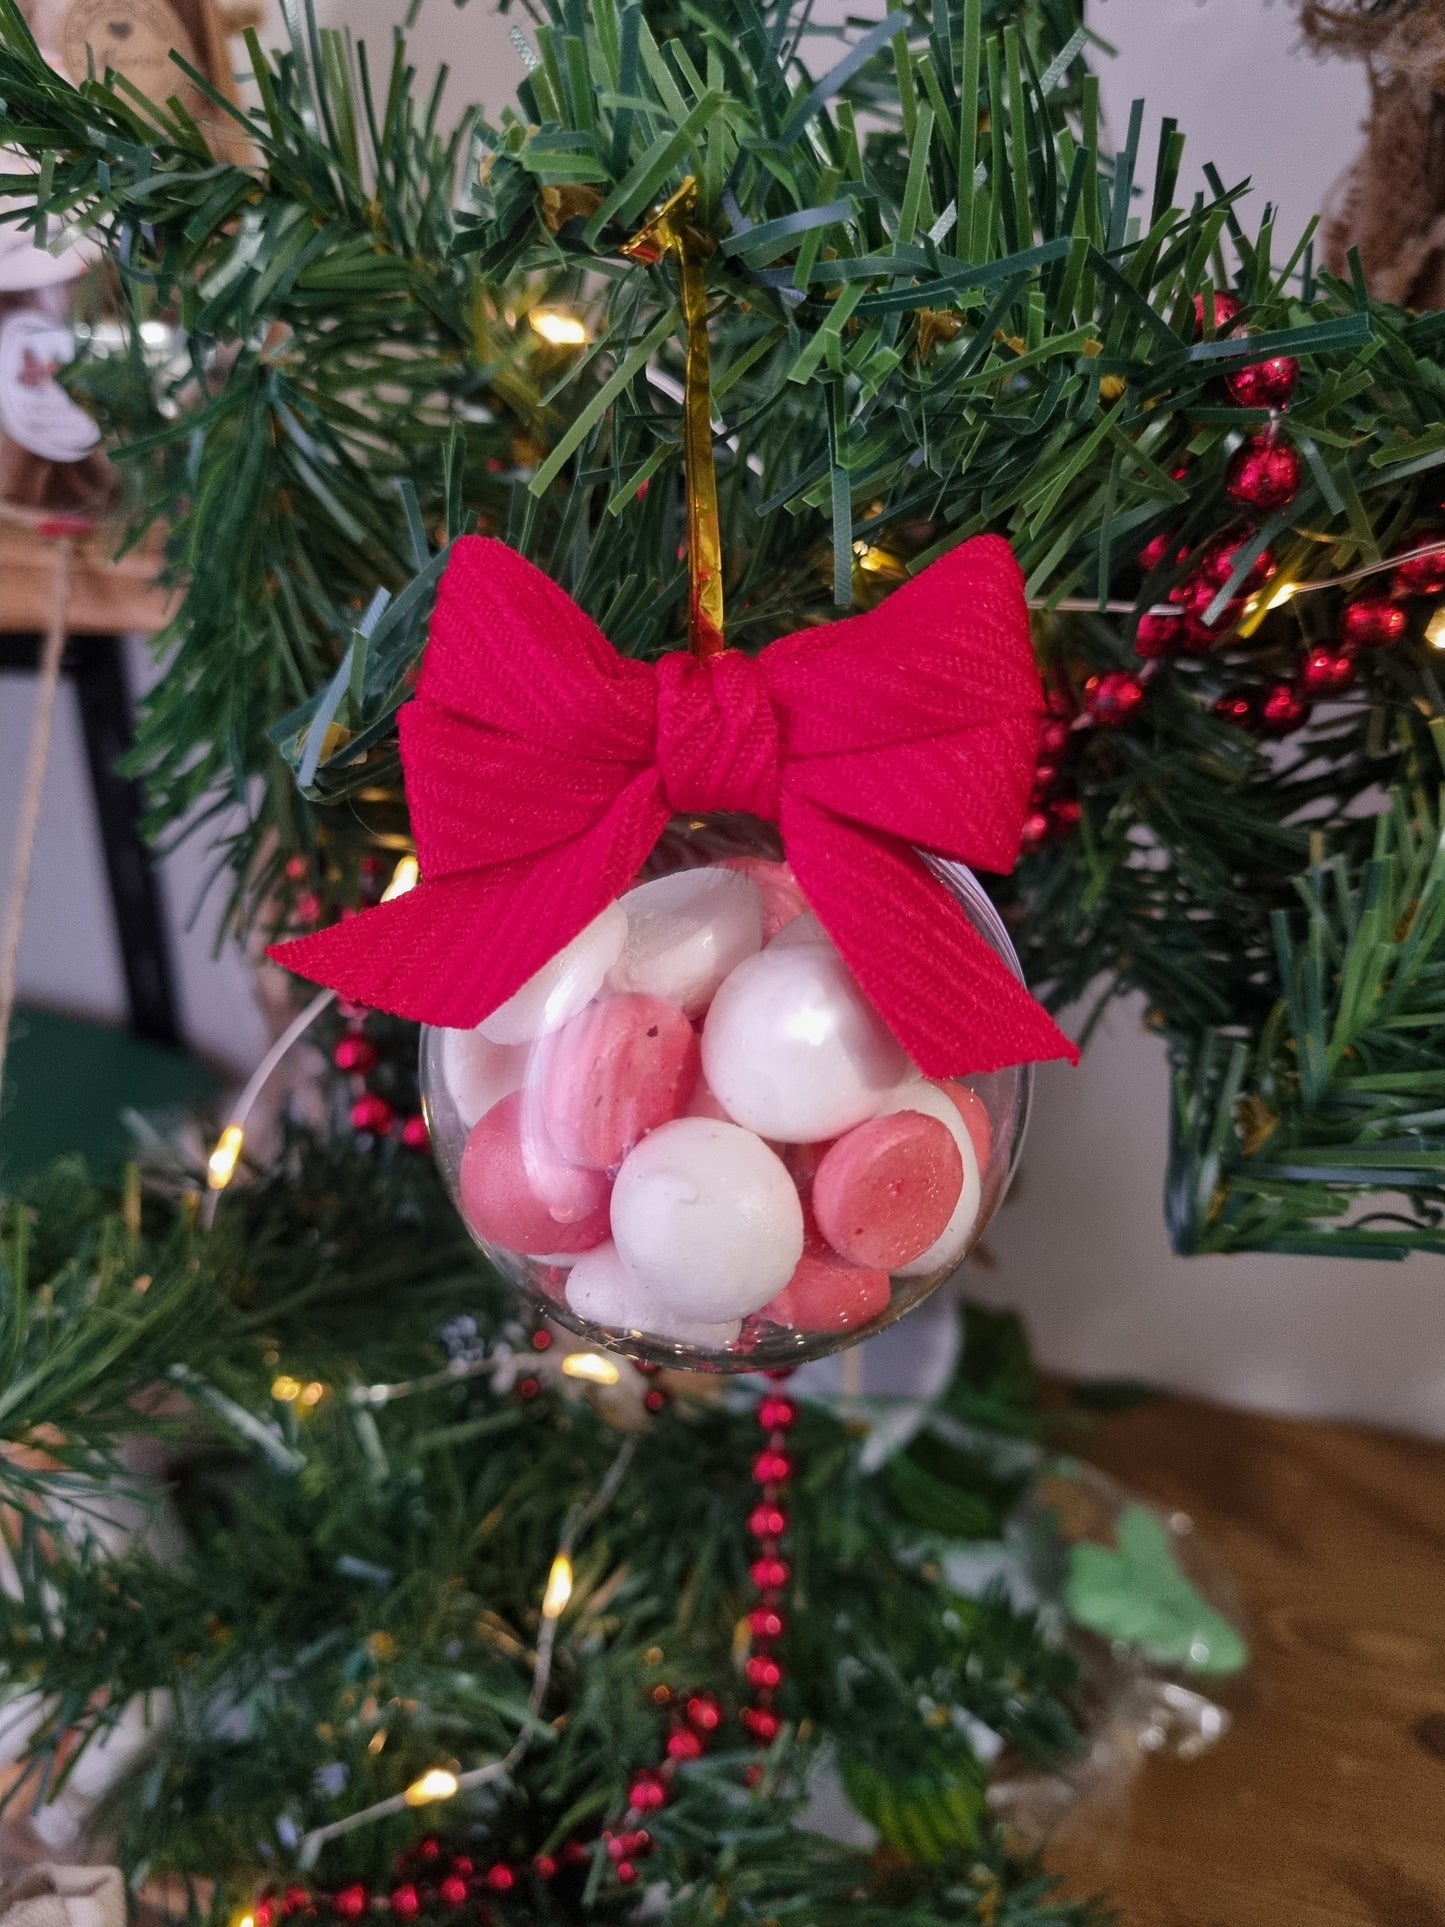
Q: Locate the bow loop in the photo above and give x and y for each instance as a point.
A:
(717, 736)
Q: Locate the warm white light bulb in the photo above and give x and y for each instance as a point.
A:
(559, 1588)
(592, 1366)
(404, 877)
(561, 330)
(221, 1165)
(435, 1784)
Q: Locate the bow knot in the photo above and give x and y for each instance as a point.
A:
(542, 767)
(717, 736)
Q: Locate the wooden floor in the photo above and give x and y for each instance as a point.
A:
(1325, 1805)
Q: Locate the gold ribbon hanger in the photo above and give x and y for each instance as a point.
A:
(671, 232)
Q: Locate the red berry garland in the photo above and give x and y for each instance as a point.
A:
(767, 1522)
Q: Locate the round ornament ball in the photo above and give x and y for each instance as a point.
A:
(1421, 574)
(1264, 474)
(1327, 672)
(691, 1138)
(1159, 633)
(1240, 707)
(1372, 622)
(1113, 699)
(1285, 709)
(1226, 309)
(1264, 384)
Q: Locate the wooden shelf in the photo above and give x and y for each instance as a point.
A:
(108, 598)
(1323, 1806)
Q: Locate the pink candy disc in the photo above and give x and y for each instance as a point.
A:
(782, 899)
(825, 1294)
(616, 1072)
(974, 1112)
(518, 1193)
(887, 1189)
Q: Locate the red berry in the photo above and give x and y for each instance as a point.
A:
(1218, 559)
(296, 868)
(1285, 709)
(264, 1913)
(684, 1744)
(764, 1672)
(453, 1890)
(753, 1776)
(1156, 550)
(772, 1468)
(371, 865)
(1112, 699)
(767, 1522)
(545, 1867)
(1054, 734)
(1372, 622)
(655, 1401)
(414, 1133)
(1046, 775)
(768, 1574)
(296, 1900)
(355, 1054)
(500, 1878)
(1200, 635)
(1226, 309)
(766, 1622)
(639, 1844)
(541, 1340)
(1422, 574)
(1059, 701)
(308, 907)
(763, 1723)
(1158, 634)
(574, 1854)
(1035, 829)
(528, 1387)
(647, 1793)
(1327, 672)
(372, 1113)
(1239, 707)
(625, 1872)
(1264, 474)
(1264, 384)
(703, 1713)
(350, 1903)
(1065, 815)
(405, 1902)
(463, 1865)
(429, 1849)
(776, 1414)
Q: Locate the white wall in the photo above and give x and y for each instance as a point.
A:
(1081, 1247)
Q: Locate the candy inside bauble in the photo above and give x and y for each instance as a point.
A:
(564, 985)
(690, 1136)
(685, 932)
(793, 1049)
(706, 1219)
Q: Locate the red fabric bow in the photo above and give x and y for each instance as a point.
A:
(541, 768)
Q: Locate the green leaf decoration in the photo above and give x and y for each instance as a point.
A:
(1135, 1592)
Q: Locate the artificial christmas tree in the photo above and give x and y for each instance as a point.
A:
(933, 308)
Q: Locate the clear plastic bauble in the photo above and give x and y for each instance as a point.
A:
(691, 1138)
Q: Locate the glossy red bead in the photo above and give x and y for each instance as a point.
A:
(1112, 700)
(777, 1414)
(405, 1902)
(1046, 775)
(1239, 707)
(296, 868)
(528, 1387)
(647, 1793)
(655, 1401)
(308, 907)
(1054, 734)
(296, 1900)
(542, 1340)
(414, 1133)
(769, 1574)
(704, 1714)
(766, 1622)
(772, 1468)
(1157, 550)
(264, 1913)
(1218, 559)
(764, 1672)
(544, 1866)
(1423, 574)
(639, 1844)
(1264, 474)
(1264, 384)
(1035, 830)
(684, 1744)
(463, 1865)
(1227, 307)
(499, 1879)
(1285, 709)
(767, 1522)
(1372, 622)
(454, 1890)
(762, 1722)
(574, 1854)
(1157, 634)
(1065, 815)
(625, 1872)
(1327, 672)
(350, 1903)
(372, 1113)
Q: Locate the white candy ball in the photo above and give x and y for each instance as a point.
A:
(602, 1291)
(707, 1221)
(479, 1073)
(564, 985)
(685, 932)
(794, 1050)
(949, 1246)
